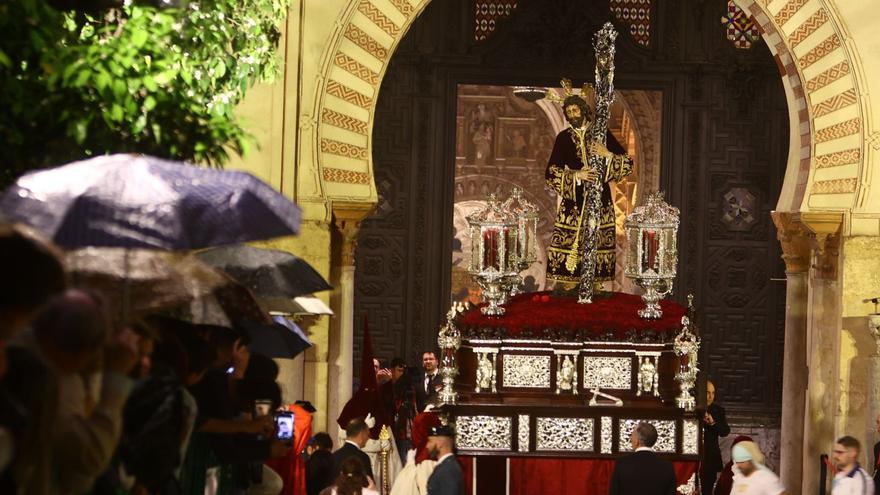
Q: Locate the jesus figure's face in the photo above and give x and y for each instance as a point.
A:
(574, 115)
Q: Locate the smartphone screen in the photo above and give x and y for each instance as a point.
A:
(284, 425)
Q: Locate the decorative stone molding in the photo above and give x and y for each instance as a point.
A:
(795, 241)
(825, 228)
(874, 328)
(347, 216)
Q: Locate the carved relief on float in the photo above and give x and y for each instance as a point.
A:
(649, 377)
(607, 435)
(564, 434)
(483, 432)
(486, 370)
(607, 372)
(566, 372)
(526, 371)
(523, 432)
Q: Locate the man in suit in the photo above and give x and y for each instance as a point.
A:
(642, 472)
(714, 426)
(429, 381)
(357, 433)
(447, 477)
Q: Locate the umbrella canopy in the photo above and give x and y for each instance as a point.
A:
(227, 306)
(281, 339)
(142, 201)
(274, 276)
(300, 306)
(140, 280)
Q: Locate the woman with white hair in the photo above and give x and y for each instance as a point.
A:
(750, 475)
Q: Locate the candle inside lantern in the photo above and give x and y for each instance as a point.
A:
(650, 246)
(490, 249)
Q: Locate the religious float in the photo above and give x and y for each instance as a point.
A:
(544, 389)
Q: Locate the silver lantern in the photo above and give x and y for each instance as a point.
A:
(494, 260)
(687, 347)
(651, 253)
(525, 249)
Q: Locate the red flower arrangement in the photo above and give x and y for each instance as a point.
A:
(539, 311)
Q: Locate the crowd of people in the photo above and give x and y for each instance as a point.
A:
(91, 404)
(94, 403)
(156, 404)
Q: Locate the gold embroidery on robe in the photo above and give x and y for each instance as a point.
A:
(565, 160)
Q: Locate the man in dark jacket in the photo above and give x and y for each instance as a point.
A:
(429, 382)
(319, 466)
(357, 433)
(447, 477)
(642, 472)
(714, 427)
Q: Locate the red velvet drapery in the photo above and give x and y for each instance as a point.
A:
(530, 475)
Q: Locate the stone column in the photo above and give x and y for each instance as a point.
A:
(873, 390)
(823, 343)
(347, 217)
(796, 254)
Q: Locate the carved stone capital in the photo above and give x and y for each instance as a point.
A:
(795, 241)
(874, 328)
(347, 217)
(826, 228)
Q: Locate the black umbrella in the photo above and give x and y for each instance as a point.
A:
(281, 339)
(275, 277)
(139, 201)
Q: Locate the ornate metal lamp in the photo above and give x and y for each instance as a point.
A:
(494, 260)
(686, 346)
(525, 248)
(449, 340)
(652, 252)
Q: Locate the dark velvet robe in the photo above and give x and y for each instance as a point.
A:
(568, 216)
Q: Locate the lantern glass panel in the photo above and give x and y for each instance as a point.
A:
(491, 248)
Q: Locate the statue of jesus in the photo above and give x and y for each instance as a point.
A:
(581, 252)
(574, 179)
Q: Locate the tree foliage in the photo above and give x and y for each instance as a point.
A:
(132, 79)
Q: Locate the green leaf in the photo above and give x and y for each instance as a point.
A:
(120, 89)
(150, 83)
(82, 78)
(5, 60)
(149, 103)
(116, 113)
(219, 69)
(139, 124)
(139, 37)
(102, 80)
(163, 78)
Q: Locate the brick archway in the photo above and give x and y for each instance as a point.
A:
(819, 71)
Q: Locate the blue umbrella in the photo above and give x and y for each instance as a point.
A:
(135, 201)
